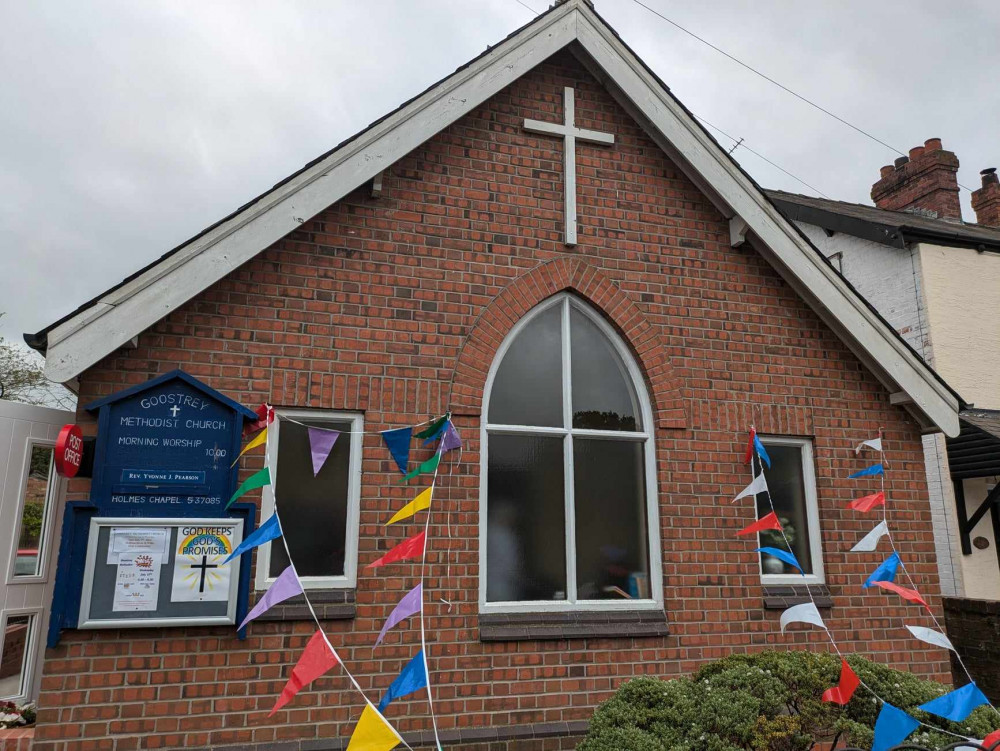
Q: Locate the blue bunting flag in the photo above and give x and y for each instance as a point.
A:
(761, 451)
(892, 727)
(884, 573)
(398, 443)
(783, 555)
(875, 469)
(267, 531)
(957, 705)
(412, 678)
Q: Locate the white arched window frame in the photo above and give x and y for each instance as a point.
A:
(645, 435)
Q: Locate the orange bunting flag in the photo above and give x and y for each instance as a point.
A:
(907, 594)
(411, 548)
(765, 522)
(844, 690)
(317, 658)
(868, 502)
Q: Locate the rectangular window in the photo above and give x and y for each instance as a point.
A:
(792, 484)
(318, 510)
(39, 487)
(15, 652)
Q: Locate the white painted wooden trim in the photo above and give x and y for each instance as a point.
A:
(567, 301)
(122, 314)
(53, 495)
(30, 669)
(262, 579)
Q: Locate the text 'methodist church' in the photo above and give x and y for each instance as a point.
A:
(548, 246)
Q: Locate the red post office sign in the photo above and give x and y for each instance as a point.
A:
(69, 450)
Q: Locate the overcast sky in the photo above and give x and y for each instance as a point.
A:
(127, 127)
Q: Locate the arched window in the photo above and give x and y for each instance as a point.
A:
(568, 512)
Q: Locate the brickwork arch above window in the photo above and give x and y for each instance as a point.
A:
(542, 282)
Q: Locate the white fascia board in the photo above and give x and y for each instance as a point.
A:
(797, 258)
(128, 311)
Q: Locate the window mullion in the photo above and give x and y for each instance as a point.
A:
(568, 475)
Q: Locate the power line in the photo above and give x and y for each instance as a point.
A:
(525, 5)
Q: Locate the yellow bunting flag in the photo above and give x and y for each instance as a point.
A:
(373, 733)
(419, 503)
(257, 441)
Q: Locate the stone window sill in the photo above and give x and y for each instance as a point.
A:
(783, 596)
(330, 605)
(572, 625)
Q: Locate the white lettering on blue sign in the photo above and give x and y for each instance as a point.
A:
(174, 399)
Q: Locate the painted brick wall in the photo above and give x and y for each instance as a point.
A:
(395, 307)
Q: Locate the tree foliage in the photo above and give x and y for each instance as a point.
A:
(22, 379)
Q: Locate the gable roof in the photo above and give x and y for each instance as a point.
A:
(113, 319)
(894, 228)
(176, 375)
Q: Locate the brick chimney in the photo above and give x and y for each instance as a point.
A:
(986, 200)
(924, 182)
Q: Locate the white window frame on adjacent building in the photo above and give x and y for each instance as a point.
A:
(52, 490)
(647, 436)
(812, 512)
(28, 661)
(349, 578)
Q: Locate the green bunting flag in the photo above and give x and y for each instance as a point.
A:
(428, 466)
(433, 429)
(254, 481)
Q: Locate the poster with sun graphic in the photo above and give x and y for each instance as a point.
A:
(199, 575)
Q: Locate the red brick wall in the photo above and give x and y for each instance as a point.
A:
(395, 307)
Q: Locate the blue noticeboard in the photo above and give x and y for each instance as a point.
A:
(165, 449)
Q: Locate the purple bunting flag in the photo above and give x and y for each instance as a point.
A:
(451, 440)
(285, 586)
(409, 605)
(320, 445)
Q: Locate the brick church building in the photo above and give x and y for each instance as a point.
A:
(547, 245)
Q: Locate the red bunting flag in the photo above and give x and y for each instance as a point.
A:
(749, 454)
(844, 690)
(868, 502)
(907, 594)
(411, 548)
(765, 522)
(317, 658)
(265, 416)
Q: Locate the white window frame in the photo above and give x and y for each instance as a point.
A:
(647, 436)
(52, 496)
(29, 673)
(357, 422)
(818, 576)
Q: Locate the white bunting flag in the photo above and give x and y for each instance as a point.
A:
(759, 485)
(874, 443)
(930, 636)
(804, 613)
(869, 542)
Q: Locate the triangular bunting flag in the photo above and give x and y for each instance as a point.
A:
(320, 445)
(782, 555)
(874, 443)
(398, 443)
(451, 440)
(761, 451)
(932, 637)
(868, 502)
(907, 594)
(410, 605)
(256, 480)
(875, 469)
(804, 613)
(317, 658)
(957, 705)
(285, 586)
(258, 439)
(869, 542)
(884, 573)
(759, 485)
(267, 531)
(892, 727)
(428, 466)
(765, 522)
(412, 678)
(265, 416)
(419, 503)
(750, 439)
(432, 430)
(411, 548)
(373, 733)
(844, 690)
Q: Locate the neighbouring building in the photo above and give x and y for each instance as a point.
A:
(549, 246)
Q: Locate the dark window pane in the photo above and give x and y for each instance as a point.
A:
(788, 493)
(611, 538)
(527, 389)
(526, 525)
(603, 398)
(36, 496)
(16, 648)
(313, 509)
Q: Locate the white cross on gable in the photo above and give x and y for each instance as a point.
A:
(570, 134)
(174, 410)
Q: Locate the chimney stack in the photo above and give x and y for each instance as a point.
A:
(926, 182)
(986, 200)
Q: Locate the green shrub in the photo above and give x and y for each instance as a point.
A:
(770, 701)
